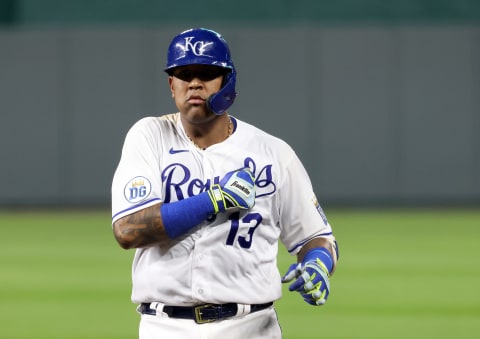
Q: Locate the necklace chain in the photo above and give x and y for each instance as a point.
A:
(229, 133)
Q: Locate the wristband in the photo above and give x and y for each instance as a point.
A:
(321, 254)
(180, 216)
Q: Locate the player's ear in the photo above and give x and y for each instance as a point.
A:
(170, 83)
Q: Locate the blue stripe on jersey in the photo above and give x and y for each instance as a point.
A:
(135, 206)
(300, 244)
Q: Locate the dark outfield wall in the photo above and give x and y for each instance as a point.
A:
(265, 12)
(379, 113)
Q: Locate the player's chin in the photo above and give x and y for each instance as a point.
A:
(199, 113)
(202, 111)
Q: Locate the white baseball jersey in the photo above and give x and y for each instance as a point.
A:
(232, 256)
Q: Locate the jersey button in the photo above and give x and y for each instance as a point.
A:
(200, 291)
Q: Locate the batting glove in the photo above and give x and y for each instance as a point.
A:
(311, 276)
(236, 190)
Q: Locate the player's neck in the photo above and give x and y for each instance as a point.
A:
(205, 135)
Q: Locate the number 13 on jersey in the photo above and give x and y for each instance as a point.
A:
(245, 241)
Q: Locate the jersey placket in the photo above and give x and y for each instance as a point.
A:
(201, 255)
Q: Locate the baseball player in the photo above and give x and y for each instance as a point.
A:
(204, 198)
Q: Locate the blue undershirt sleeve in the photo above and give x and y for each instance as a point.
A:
(180, 216)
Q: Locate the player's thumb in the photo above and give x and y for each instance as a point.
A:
(292, 273)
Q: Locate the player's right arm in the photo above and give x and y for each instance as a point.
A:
(143, 228)
(157, 223)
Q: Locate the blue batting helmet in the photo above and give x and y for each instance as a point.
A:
(198, 46)
(201, 46)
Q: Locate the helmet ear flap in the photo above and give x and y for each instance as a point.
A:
(219, 102)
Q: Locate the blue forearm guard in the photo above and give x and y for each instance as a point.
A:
(180, 216)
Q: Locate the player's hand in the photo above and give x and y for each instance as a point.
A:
(236, 190)
(311, 281)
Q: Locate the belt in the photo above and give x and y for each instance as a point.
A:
(203, 313)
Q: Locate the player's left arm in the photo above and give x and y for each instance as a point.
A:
(311, 275)
(306, 233)
(327, 243)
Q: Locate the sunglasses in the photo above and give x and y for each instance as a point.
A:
(202, 73)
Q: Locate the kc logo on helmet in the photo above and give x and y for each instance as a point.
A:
(198, 47)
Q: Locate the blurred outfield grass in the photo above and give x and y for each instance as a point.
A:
(402, 274)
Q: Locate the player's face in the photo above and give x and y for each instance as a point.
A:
(192, 85)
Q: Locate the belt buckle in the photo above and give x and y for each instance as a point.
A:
(199, 314)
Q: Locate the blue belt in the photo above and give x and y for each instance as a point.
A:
(202, 313)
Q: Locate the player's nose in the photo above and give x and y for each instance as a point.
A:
(195, 83)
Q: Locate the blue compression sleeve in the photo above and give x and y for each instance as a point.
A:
(180, 216)
(321, 253)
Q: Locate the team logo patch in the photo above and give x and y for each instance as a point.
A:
(137, 189)
(320, 210)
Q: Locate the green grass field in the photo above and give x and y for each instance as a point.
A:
(402, 274)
